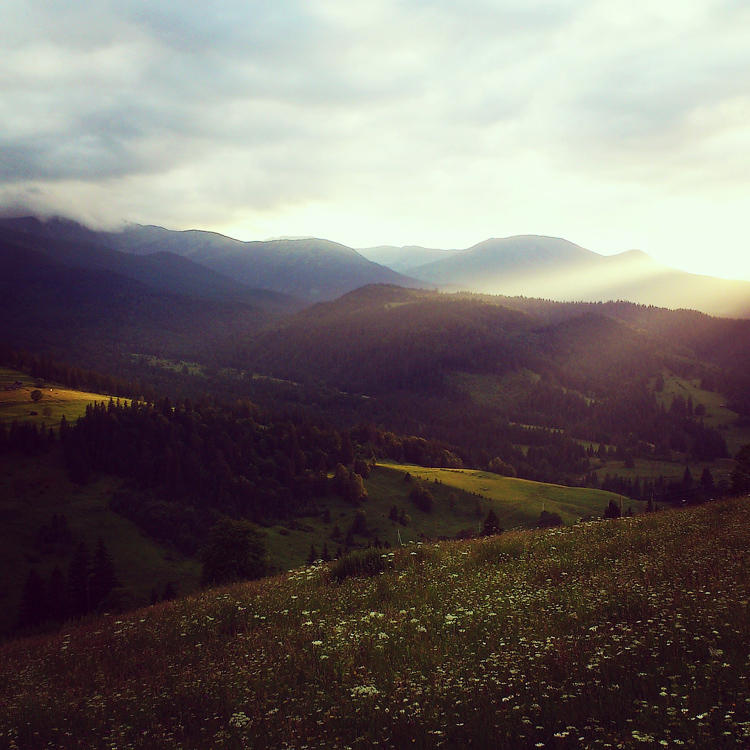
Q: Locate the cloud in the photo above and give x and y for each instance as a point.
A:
(451, 116)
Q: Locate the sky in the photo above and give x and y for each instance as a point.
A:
(441, 123)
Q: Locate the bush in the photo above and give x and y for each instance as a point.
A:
(421, 497)
(359, 564)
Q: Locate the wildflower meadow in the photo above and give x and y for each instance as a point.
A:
(609, 634)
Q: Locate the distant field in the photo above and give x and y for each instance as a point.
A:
(644, 469)
(494, 391)
(57, 399)
(517, 502)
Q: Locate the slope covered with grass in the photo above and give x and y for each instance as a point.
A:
(605, 634)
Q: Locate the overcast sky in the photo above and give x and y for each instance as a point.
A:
(615, 125)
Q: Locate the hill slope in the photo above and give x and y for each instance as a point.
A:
(89, 311)
(613, 633)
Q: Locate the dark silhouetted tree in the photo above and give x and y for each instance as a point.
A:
(491, 524)
(741, 473)
(612, 510)
(235, 551)
(79, 596)
(33, 609)
(103, 576)
(57, 596)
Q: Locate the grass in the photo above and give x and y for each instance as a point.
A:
(462, 500)
(622, 634)
(516, 502)
(60, 400)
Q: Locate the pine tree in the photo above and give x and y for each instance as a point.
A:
(312, 555)
(491, 524)
(33, 609)
(79, 594)
(612, 510)
(103, 576)
(57, 596)
(325, 555)
(170, 592)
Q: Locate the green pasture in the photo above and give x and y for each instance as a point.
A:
(462, 499)
(517, 502)
(56, 401)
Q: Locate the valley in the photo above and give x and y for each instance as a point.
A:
(468, 513)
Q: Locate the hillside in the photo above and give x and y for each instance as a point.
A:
(553, 268)
(612, 633)
(96, 313)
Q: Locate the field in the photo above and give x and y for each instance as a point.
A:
(623, 633)
(57, 399)
(462, 500)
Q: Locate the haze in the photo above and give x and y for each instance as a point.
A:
(435, 123)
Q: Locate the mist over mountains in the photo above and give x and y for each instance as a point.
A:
(284, 273)
(553, 268)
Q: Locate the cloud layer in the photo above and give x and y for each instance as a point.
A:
(434, 122)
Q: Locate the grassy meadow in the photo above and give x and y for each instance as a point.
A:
(462, 499)
(616, 634)
(57, 399)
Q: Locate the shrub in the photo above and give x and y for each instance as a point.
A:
(358, 564)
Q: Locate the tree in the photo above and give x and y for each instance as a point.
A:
(498, 466)
(33, 610)
(79, 598)
(235, 551)
(491, 524)
(612, 510)
(103, 575)
(741, 473)
(312, 555)
(57, 596)
(36, 396)
(707, 479)
(355, 489)
(421, 497)
(359, 523)
(170, 592)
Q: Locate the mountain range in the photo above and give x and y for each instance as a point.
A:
(284, 274)
(553, 268)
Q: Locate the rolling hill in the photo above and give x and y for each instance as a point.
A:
(53, 306)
